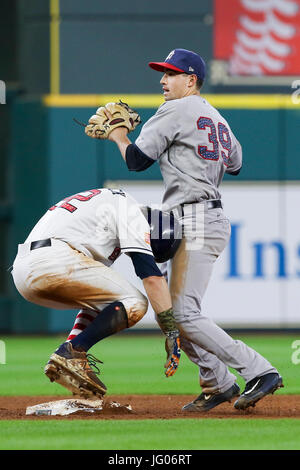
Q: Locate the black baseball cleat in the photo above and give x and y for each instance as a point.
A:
(206, 402)
(257, 389)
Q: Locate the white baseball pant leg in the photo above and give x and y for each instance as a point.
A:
(60, 277)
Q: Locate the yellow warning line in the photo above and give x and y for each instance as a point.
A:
(142, 101)
(153, 101)
(252, 101)
(54, 48)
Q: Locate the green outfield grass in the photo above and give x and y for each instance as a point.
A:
(134, 365)
(177, 434)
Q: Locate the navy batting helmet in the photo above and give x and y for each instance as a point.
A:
(165, 234)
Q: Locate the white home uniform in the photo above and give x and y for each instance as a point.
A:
(87, 232)
(195, 146)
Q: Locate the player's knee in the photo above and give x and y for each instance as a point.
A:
(136, 309)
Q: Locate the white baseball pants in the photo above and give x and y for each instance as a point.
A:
(62, 278)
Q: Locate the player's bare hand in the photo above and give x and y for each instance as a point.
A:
(118, 134)
(172, 346)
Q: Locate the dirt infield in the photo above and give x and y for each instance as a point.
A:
(155, 407)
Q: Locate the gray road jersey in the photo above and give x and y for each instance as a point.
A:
(194, 146)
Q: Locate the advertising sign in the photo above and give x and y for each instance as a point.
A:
(258, 37)
(255, 282)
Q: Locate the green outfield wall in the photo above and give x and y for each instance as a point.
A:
(58, 59)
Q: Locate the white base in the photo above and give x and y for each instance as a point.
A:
(73, 405)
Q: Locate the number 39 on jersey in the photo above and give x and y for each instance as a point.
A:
(217, 137)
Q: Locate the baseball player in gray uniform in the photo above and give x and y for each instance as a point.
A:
(65, 262)
(194, 147)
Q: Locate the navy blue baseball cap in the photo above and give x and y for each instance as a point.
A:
(182, 60)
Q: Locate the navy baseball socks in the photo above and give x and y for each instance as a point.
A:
(71, 366)
(111, 320)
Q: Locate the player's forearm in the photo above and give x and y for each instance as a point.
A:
(158, 293)
(119, 136)
(122, 145)
(159, 296)
(134, 158)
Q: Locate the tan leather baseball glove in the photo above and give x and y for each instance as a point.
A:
(100, 126)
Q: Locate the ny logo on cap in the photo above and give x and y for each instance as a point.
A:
(170, 55)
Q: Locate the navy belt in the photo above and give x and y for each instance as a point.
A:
(40, 243)
(215, 204)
